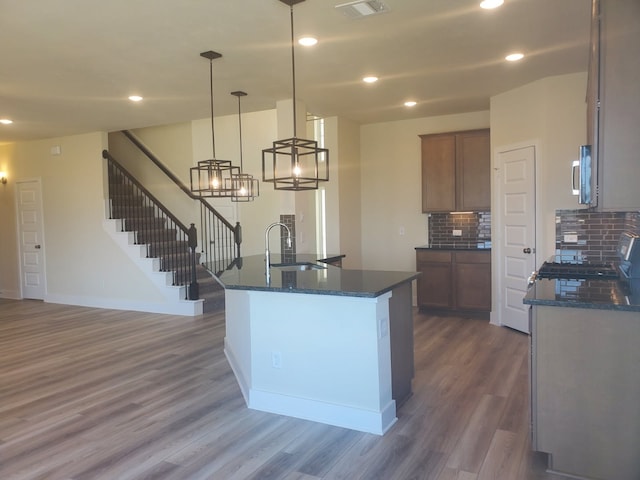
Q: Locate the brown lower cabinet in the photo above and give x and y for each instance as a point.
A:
(454, 280)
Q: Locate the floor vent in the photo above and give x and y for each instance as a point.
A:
(362, 8)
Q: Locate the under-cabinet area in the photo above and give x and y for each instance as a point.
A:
(456, 171)
(454, 280)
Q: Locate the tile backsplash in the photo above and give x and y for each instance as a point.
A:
(288, 253)
(596, 234)
(475, 229)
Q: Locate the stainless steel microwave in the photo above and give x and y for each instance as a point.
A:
(583, 179)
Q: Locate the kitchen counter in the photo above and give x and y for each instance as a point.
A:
(454, 247)
(592, 294)
(249, 274)
(328, 344)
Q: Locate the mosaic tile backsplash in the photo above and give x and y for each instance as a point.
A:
(475, 229)
(597, 234)
(288, 252)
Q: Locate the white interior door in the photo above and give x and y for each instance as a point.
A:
(517, 233)
(31, 241)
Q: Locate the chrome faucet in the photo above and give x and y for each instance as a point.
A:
(267, 253)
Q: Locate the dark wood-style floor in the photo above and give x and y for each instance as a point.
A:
(101, 394)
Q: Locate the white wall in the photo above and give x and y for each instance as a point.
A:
(83, 265)
(391, 187)
(258, 132)
(552, 113)
(348, 228)
(172, 145)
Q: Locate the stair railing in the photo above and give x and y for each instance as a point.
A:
(219, 240)
(164, 236)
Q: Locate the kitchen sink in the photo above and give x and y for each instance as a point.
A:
(297, 267)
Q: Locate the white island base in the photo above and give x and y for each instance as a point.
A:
(325, 358)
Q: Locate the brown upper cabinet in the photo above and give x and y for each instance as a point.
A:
(456, 170)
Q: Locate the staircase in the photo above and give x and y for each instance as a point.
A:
(163, 238)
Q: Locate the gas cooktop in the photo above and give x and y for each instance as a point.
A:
(577, 271)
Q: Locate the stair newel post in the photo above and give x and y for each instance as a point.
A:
(238, 238)
(192, 237)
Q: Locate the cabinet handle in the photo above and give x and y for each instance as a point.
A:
(526, 250)
(37, 247)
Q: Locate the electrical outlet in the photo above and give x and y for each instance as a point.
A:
(457, 233)
(276, 359)
(571, 238)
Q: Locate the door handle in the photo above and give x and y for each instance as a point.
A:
(526, 250)
(37, 247)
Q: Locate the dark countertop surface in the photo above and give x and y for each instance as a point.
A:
(598, 294)
(454, 247)
(249, 274)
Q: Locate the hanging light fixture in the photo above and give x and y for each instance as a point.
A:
(295, 163)
(212, 178)
(244, 187)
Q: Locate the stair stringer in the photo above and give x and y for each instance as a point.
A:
(174, 295)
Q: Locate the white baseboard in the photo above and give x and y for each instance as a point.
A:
(331, 414)
(189, 308)
(10, 294)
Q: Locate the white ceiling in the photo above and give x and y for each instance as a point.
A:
(67, 66)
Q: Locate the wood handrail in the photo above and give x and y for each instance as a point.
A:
(107, 156)
(173, 177)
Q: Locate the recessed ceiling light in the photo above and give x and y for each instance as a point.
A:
(410, 103)
(135, 98)
(514, 57)
(489, 4)
(370, 79)
(307, 41)
(6, 121)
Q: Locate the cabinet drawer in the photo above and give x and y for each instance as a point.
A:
(431, 256)
(473, 257)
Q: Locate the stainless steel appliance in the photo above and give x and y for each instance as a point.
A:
(577, 271)
(583, 177)
(629, 255)
(572, 268)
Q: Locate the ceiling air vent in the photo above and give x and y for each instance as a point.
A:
(362, 8)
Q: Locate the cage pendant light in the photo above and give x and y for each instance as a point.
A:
(295, 163)
(211, 178)
(244, 187)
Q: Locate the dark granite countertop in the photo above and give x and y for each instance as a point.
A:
(598, 294)
(454, 247)
(249, 274)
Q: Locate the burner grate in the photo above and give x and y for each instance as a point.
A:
(577, 271)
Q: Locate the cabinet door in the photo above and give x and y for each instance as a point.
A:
(619, 166)
(434, 285)
(473, 170)
(472, 280)
(438, 173)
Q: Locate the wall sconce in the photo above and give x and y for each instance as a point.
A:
(3, 178)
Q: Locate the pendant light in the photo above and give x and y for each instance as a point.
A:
(294, 163)
(211, 178)
(245, 188)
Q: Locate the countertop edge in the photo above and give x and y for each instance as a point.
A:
(333, 293)
(454, 249)
(578, 304)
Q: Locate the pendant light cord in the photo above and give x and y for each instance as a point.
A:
(240, 130)
(293, 75)
(213, 136)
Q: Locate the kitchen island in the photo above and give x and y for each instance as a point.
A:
(319, 342)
